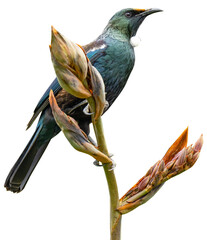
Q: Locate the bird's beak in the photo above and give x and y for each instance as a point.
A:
(145, 12)
(140, 16)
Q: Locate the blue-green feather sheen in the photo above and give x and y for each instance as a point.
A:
(115, 66)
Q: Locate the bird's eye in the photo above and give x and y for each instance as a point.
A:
(128, 14)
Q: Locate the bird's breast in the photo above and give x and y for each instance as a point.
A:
(115, 67)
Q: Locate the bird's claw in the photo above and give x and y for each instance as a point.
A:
(98, 164)
(86, 110)
(112, 164)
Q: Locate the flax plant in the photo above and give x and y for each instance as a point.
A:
(77, 76)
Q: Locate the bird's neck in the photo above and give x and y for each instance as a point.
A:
(116, 34)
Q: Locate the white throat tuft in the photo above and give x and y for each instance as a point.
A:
(135, 41)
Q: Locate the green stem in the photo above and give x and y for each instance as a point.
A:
(115, 216)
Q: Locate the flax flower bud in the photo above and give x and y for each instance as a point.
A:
(77, 138)
(70, 65)
(98, 90)
(178, 159)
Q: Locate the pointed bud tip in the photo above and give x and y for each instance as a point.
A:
(177, 146)
(51, 98)
(181, 158)
(54, 31)
(199, 143)
(184, 135)
(51, 93)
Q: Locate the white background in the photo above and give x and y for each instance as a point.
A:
(67, 196)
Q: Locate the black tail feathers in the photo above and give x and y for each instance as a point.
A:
(24, 166)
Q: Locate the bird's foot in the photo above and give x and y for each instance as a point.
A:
(112, 164)
(98, 164)
(86, 110)
(70, 110)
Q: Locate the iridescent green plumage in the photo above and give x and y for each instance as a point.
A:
(113, 56)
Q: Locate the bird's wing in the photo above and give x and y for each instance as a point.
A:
(94, 51)
(44, 101)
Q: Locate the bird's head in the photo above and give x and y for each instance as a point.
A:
(127, 21)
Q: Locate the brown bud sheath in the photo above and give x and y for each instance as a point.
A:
(69, 54)
(70, 65)
(77, 138)
(178, 159)
(98, 90)
(178, 145)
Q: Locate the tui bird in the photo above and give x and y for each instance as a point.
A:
(113, 55)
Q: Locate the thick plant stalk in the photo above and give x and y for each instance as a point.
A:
(115, 216)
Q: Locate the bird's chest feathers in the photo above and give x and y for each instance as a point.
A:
(116, 65)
